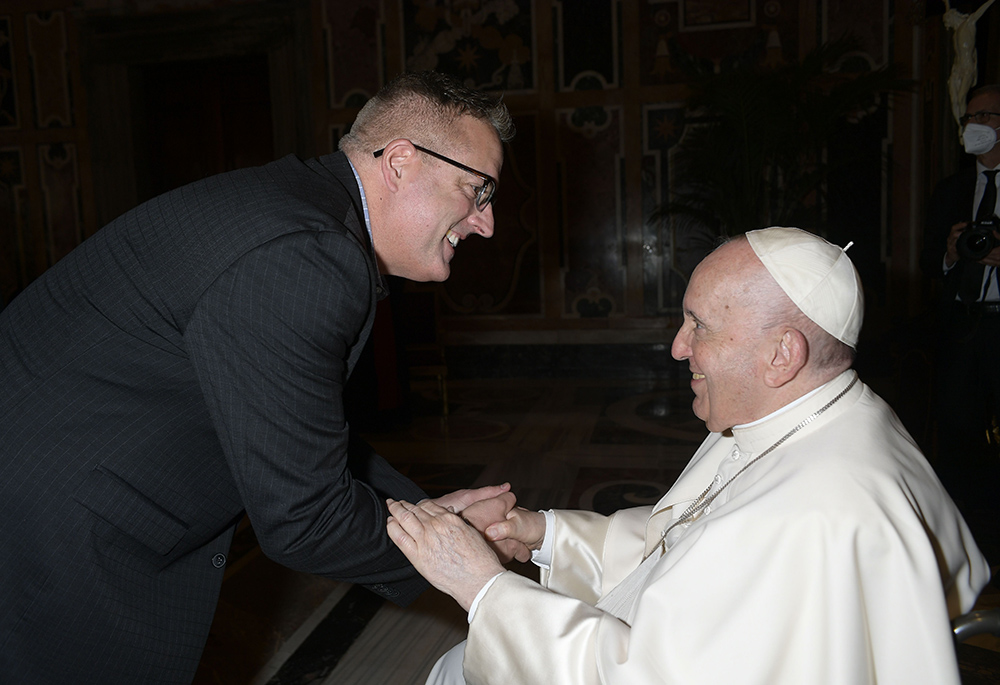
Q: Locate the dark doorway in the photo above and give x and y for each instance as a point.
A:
(203, 118)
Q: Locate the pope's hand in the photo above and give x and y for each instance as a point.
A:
(484, 513)
(522, 526)
(450, 553)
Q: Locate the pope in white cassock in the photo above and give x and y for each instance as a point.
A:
(807, 541)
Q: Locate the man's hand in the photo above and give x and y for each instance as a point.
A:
(483, 506)
(447, 551)
(460, 499)
(951, 256)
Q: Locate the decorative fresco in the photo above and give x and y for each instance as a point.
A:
(590, 157)
(352, 35)
(14, 223)
(47, 50)
(61, 192)
(487, 43)
(587, 44)
(502, 274)
(868, 22)
(8, 88)
(680, 38)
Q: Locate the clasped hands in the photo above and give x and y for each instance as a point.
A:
(458, 542)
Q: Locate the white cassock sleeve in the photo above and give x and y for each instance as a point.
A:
(756, 598)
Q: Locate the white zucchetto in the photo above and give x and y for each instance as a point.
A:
(816, 275)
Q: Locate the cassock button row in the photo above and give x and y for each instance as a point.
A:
(219, 560)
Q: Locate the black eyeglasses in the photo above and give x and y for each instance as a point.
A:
(484, 194)
(980, 117)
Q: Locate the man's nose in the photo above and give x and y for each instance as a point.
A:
(680, 350)
(482, 221)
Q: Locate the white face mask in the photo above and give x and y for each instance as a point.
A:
(978, 138)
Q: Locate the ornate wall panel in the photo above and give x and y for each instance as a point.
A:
(489, 44)
(590, 157)
(163, 6)
(868, 22)
(594, 85)
(60, 185)
(14, 217)
(8, 83)
(352, 35)
(707, 15)
(587, 44)
(502, 275)
(47, 50)
(672, 245)
(678, 36)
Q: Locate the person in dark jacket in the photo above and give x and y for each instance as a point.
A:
(185, 366)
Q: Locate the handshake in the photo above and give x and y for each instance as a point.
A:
(460, 541)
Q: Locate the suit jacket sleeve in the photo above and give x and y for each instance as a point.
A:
(950, 203)
(270, 340)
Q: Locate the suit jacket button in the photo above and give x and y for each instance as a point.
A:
(219, 560)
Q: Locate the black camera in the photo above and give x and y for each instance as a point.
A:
(976, 241)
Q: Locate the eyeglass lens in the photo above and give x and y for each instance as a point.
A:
(981, 117)
(485, 195)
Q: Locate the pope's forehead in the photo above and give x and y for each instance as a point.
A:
(732, 274)
(731, 260)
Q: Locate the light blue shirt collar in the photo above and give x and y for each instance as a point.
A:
(364, 204)
(381, 289)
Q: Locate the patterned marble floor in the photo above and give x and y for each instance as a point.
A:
(597, 445)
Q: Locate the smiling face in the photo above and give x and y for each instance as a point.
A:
(722, 339)
(435, 208)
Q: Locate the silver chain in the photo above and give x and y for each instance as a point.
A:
(703, 500)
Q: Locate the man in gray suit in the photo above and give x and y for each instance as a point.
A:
(185, 366)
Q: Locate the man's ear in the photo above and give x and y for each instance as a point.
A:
(394, 162)
(788, 356)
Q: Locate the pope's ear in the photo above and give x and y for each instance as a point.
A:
(394, 162)
(787, 357)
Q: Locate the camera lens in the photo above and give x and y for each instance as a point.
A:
(976, 242)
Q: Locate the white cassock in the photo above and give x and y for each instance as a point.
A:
(835, 558)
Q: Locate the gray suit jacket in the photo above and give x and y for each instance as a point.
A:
(182, 366)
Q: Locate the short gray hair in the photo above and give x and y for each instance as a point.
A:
(988, 89)
(422, 106)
